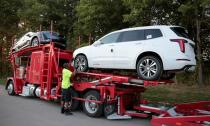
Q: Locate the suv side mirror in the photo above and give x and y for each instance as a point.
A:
(17, 61)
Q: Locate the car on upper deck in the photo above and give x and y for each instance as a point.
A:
(42, 37)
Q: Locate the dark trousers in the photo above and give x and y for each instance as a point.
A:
(65, 100)
(66, 95)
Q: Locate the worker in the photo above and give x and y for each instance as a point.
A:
(66, 89)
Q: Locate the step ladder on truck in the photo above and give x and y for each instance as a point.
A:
(37, 72)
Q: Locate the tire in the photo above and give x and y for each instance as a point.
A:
(10, 88)
(109, 109)
(149, 68)
(168, 76)
(35, 41)
(74, 103)
(90, 108)
(81, 63)
(34, 92)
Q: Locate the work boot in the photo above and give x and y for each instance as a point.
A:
(68, 112)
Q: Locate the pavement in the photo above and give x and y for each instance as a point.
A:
(25, 111)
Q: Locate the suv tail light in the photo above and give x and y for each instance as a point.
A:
(181, 43)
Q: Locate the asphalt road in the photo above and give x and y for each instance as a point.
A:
(24, 111)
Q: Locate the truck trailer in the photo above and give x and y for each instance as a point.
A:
(37, 72)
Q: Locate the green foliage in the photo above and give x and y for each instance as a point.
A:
(3, 81)
(99, 16)
(41, 12)
(177, 94)
(9, 18)
(31, 14)
(197, 20)
(148, 12)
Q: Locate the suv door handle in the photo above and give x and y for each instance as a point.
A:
(112, 50)
(111, 45)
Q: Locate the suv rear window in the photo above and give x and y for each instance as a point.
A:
(180, 32)
(152, 33)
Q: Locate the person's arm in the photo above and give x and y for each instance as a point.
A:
(74, 73)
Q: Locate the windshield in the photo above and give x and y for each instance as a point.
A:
(180, 32)
(55, 35)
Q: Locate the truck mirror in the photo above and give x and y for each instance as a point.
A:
(17, 61)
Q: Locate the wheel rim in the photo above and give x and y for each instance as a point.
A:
(148, 68)
(91, 107)
(35, 42)
(109, 109)
(80, 63)
(10, 88)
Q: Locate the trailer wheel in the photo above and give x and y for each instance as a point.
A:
(74, 103)
(109, 109)
(92, 109)
(10, 88)
(34, 92)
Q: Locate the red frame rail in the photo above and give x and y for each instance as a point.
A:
(189, 114)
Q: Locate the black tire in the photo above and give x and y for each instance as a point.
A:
(81, 63)
(35, 41)
(74, 103)
(10, 88)
(149, 68)
(90, 108)
(34, 92)
(109, 109)
(168, 76)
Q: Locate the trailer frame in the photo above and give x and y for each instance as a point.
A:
(118, 96)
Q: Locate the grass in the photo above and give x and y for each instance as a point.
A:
(3, 81)
(177, 93)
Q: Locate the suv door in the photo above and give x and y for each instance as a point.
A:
(154, 41)
(127, 48)
(102, 54)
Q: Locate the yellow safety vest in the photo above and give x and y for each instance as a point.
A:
(66, 75)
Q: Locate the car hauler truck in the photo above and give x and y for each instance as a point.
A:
(37, 72)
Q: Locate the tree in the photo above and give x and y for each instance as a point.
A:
(195, 13)
(41, 12)
(9, 19)
(149, 12)
(98, 17)
(38, 15)
(8, 28)
(32, 15)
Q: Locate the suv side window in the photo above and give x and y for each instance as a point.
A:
(112, 38)
(131, 36)
(152, 33)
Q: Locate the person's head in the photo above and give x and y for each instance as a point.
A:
(66, 65)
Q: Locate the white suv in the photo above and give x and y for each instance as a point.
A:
(153, 51)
